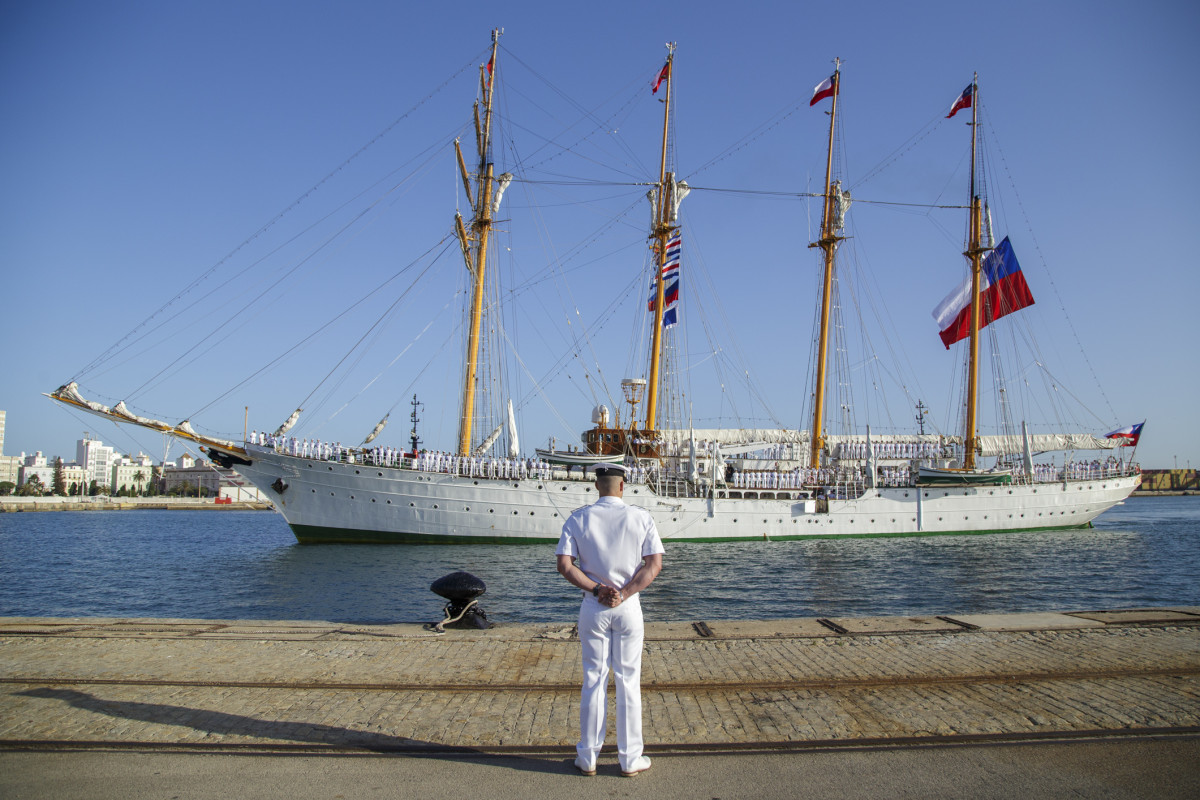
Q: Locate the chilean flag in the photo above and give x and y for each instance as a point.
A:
(1131, 434)
(1002, 291)
(823, 89)
(964, 101)
(662, 76)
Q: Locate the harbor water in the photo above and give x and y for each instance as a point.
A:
(247, 565)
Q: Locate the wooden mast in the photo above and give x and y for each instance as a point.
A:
(828, 243)
(974, 253)
(481, 226)
(661, 232)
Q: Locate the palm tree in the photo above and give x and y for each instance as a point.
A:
(139, 478)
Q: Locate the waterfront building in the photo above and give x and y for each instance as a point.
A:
(36, 464)
(126, 469)
(10, 466)
(190, 476)
(93, 456)
(74, 475)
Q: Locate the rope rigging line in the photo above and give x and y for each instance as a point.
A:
(600, 125)
(776, 193)
(263, 229)
(176, 363)
(1045, 268)
(450, 237)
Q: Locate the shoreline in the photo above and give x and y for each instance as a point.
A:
(23, 504)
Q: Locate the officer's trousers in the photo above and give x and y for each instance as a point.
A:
(611, 637)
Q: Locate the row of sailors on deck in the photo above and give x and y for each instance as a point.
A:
(304, 448)
(1076, 470)
(482, 466)
(805, 476)
(910, 450)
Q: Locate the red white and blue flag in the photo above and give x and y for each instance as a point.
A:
(662, 76)
(1002, 290)
(964, 101)
(670, 279)
(1130, 434)
(826, 88)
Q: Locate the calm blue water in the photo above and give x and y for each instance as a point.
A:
(247, 565)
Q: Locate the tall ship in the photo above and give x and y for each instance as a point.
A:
(831, 477)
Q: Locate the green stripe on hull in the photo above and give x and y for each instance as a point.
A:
(308, 534)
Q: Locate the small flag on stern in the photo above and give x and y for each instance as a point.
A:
(1130, 434)
(662, 76)
(964, 101)
(1002, 290)
(826, 88)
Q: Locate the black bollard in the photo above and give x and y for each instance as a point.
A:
(463, 610)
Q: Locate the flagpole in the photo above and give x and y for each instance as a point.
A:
(828, 243)
(661, 232)
(974, 252)
(481, 226)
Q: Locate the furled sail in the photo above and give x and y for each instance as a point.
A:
(490, 440)
(841, 204)
(1044, 443)
(378, 429)
(513, 449)
(287, 425)
(502, 183)
(676, 191)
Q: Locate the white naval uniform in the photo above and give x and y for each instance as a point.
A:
(609, 539)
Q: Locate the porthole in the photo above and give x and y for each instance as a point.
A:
(372, 499)
(531, 513)
(381, 474)
(435, 505)
(466, 508)
(516, 512)
(314, 491)
(491, 511)
(412, 505)
(331, 469)
(389, 502)
(356, 472)
(476, 483)
(331, 494)
(351, 497)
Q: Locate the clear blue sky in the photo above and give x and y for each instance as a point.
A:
(142, 142)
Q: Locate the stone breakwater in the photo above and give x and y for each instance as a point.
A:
(706, 685)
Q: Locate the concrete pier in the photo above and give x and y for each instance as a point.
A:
(762, 687)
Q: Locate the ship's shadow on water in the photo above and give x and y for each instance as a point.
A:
(267, 733)
(248, 566)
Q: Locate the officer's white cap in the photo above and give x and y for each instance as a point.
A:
(609, 470)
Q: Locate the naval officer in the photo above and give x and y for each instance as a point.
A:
(612, 552)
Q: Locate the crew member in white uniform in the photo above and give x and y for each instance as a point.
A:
(611, 551)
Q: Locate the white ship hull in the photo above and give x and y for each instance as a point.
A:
(326, 502)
